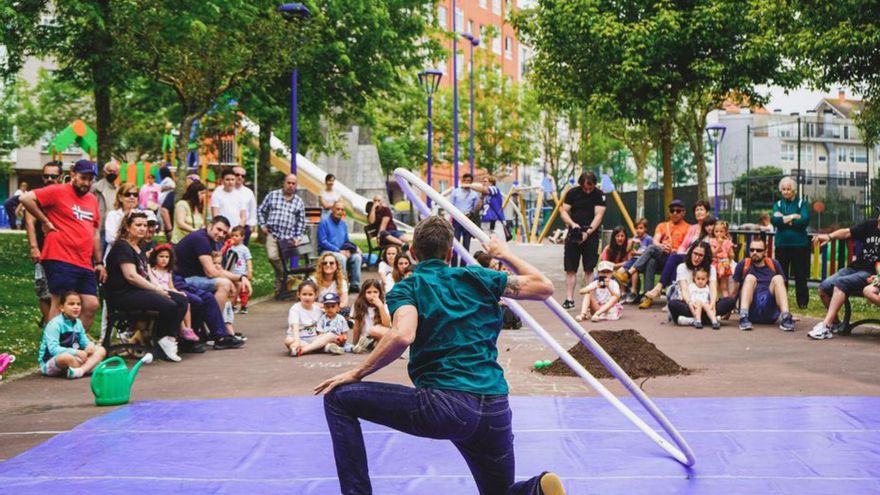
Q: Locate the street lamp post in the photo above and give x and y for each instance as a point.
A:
(716, 135)
(429, 80)
(293, 12)
(474, 42)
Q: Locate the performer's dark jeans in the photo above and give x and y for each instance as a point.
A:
(795, 263)
(478, 425)
(464, 237)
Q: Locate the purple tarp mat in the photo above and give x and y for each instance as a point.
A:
(786, 445)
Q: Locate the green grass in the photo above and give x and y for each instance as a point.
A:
(860, 306)
(19, 311)
(19, 333)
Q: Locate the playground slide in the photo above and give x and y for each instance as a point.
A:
(310, 176)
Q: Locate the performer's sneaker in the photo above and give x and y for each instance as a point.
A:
(551, 484)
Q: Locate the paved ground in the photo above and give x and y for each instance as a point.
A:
(764, 362)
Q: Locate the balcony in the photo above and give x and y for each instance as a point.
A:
(822, 132)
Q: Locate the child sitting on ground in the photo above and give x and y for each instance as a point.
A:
(332, 326)
(370, 314)
(240, 264)
(65, 349)
(160, 273)
(302, 320)
(699, 298)
(602, 296)
(386, 266)
(722, 254)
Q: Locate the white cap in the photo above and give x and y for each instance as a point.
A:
(605, 266)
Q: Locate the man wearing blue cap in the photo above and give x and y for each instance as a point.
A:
(71, 252)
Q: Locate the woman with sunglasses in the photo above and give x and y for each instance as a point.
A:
(126, 201)
(330, 279)
(128, 285)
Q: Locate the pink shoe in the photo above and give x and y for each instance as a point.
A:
(189, 334)
(5, 361)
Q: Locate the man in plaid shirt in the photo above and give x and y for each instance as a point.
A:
(283, 219)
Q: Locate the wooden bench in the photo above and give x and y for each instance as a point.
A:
(849, 325)
(373, 246)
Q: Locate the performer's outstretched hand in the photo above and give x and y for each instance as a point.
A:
(341, 379)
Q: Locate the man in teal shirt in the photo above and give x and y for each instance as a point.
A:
(450, 318)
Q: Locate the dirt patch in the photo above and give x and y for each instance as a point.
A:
(638, 357)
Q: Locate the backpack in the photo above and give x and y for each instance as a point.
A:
(748, 264)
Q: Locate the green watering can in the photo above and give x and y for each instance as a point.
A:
(111, 380)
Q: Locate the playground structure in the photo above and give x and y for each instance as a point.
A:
(77, 133)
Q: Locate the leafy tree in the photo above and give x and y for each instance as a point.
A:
(636, 60)
(557, 132)
(201, 50)
(637, 139)
(832, 43)
(78, 35)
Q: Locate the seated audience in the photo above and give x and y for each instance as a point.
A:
(196, 265)
(333, 238)
(386, 266)
(601, 296)
(240, 264)
(330, 280)
(763, 294)
(722, 256)
(128, 286)
(371, 318)
(618, 253)
(699, 255)
(126, 201)
(188, 216)
(302, 320)
(65, 350)
(699, 298)
(161, 260)
(330, 331)
(849, 280)
(402, 266)
(381, 218)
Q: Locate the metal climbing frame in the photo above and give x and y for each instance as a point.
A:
(678, 448)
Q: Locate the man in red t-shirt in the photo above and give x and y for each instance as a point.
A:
(72, 221)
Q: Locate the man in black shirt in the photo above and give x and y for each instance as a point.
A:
(850, 280)
(582, 212)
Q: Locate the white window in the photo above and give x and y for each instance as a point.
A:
(788, 151)
(841, 154)
(785, 131)
(470, 29)
(443, 185)
(508, 47)
(852, 154)
(459, 20)
(861, 154)
(441, 17)
(483, 4)
(807, 152)
(496, 45)
(459, 59)
(496, 7)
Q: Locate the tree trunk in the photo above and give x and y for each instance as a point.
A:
(182, 150)
(700, 160)
(641, 163)
(101, 76)
(666, 151)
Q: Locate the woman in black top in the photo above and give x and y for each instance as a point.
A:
(127, 285)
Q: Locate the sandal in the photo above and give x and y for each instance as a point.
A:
(595, 318)
(582, 317)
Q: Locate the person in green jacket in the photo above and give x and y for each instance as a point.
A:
(791, 217)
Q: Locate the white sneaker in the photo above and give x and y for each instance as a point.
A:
(169, 347)
(820, 331)
(362, 345)
(685, 321)
(334, 349)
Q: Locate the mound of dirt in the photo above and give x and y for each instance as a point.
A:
(638, 357)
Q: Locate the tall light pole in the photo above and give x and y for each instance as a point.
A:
(474, 42)
(716, 135)
(454, 99)
(429, 80)
(293, 12)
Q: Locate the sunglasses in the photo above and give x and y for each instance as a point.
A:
(328, 263)
(51, 176)
(754, 250)
(676, 210)
(130, 195)
(239, 175)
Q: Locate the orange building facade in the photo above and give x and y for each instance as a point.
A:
(473, 17)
